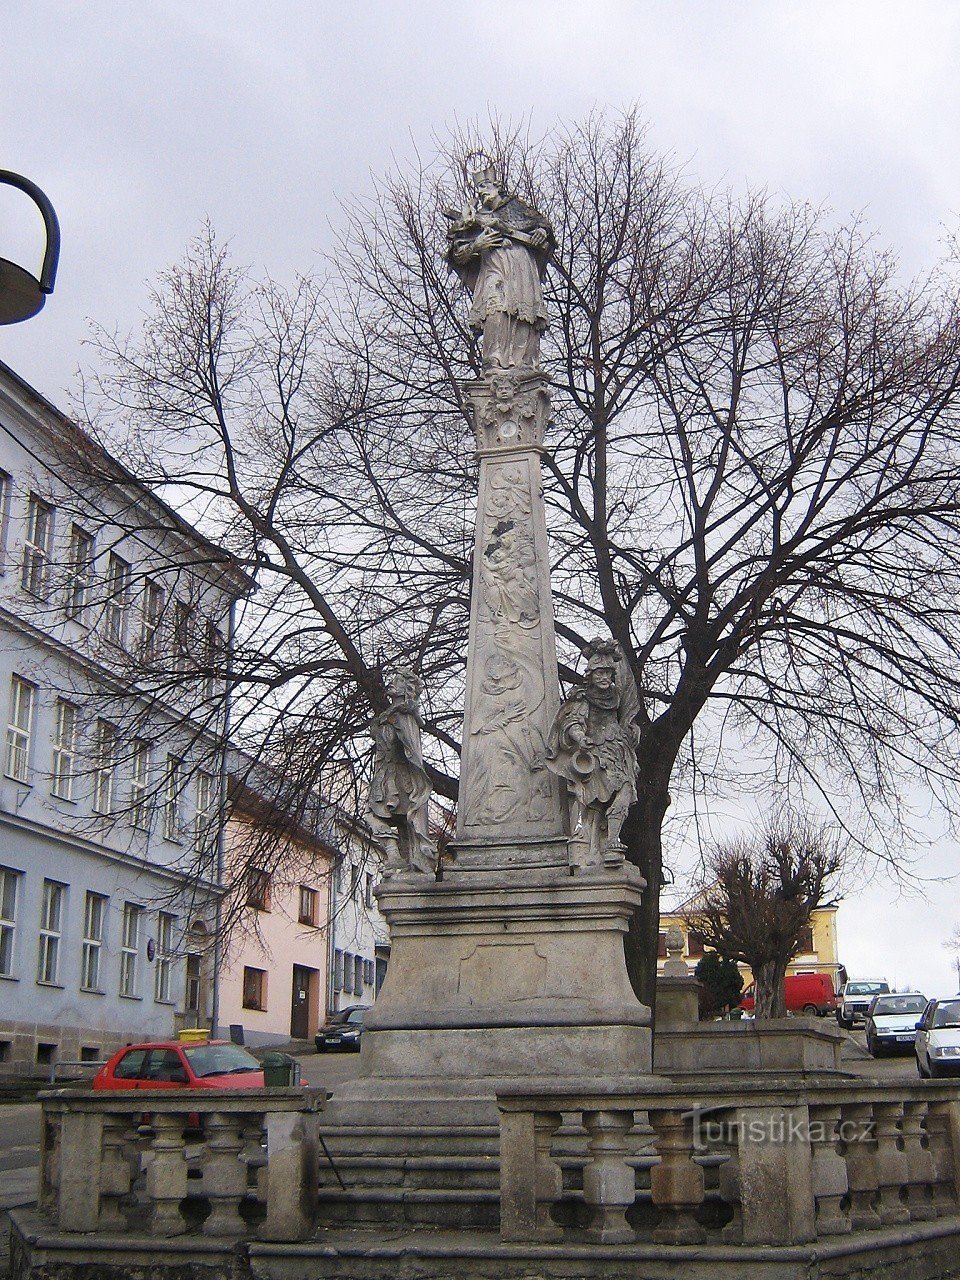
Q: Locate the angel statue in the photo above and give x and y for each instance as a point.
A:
(593, 745)
(500, 246)
(399, 798)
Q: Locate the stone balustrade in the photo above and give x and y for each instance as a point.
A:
(221, 1163)
(747, 1164)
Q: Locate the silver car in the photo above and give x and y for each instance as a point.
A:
(938, 1038)
(892, 1022)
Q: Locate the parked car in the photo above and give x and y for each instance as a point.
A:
(809, 993)
(855, 1000)
(891, 1022)
(343, 1030)
(938, 1038)
(168, 1064)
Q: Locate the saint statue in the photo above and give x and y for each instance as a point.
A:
(593, 745)
(397, 808)
(500, 246)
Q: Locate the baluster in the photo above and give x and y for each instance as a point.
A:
(859, 1147)
(941, 1119)
(920, 1172)
(609, 1183)
(224, 1174)
(116, 1174)
(728, 1175)
(166, 1175)
(530, 1179)
(78, 1198)
(676, 1183)
(829, 1171)
(892, 1171)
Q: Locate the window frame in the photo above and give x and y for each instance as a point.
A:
(258, 889)
(151, 618)
(106, 747)
(50, 932)
(19, 737)
(205, 815)
(163, 972)
(8, 923)
(117, 599)
(81, 569)
(308, 917)
(130, 930)
(173, 799)
(250, 999)
(91, 951)
(140, 808)
(63, 767)
(37, 546)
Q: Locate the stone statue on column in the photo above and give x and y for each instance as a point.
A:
(593, 745)
(500, 246)
(398, 804)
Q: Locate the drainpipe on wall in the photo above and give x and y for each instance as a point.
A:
(331, 940)
(222, 825)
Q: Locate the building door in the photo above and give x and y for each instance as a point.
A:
(300, 1009)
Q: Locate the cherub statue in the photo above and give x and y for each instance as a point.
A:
(397, 808)
(500, 247)
(593, 745)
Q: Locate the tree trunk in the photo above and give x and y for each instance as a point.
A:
(641, 835)
(769, 996)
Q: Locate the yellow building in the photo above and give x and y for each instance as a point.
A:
(818, 952)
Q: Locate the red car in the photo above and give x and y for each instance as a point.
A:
(208, 1064)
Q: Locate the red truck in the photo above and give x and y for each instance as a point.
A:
(810, 993)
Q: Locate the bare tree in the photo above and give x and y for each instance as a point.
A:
(759, 895)
(753, 480)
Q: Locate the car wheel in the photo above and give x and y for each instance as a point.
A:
(811, 1010)
(320, 1048)
(846, 1023)
(873, 1048)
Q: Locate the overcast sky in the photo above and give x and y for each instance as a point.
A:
(141, 119)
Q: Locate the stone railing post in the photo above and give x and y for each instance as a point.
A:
(859, 1148)
(224, 1174)
(116, 1171)
(776, 1175)
(920, 1171)
(292, 1176)
(892, 1173)
(166, 1174)
(609, 1183)
(78, 1193)
(49, 1182)
(530, 1179)
(943, 1131)
(676, 1183)
(829, 1171)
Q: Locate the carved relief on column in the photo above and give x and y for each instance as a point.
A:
(512, 686)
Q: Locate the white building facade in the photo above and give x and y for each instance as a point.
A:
(360, 939)
(111, 781)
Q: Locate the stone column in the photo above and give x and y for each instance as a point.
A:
(511, 811)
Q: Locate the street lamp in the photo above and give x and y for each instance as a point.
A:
(21, 295)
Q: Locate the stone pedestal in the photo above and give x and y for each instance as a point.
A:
(677, 1002)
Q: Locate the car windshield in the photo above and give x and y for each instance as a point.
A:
(865, 988)
(219, 1059)
(356, 1017)
(947, 1015)
(899, 1004)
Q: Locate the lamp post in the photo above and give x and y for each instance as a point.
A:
(21, 294)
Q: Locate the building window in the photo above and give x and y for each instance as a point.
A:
(81, 572)
(214, 660)
(308, 905)
(172, 795)
(140, 760)
(130, 948)
(105, 769)
(94, 913)
(368, 890)
(22, 698)
(805, 941)
(191, 998)
(662, 947)
(182, 630)
(118, 598)
(354, 880)
(6, 492)
(694, 944)
(152, 615)
(258, 889)
(164, 971)
(37, 544)
(358, 975)
(51, 916)
(338, 970)
(204, 823)
(254, 988)
(9, 888)
(64, 769)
